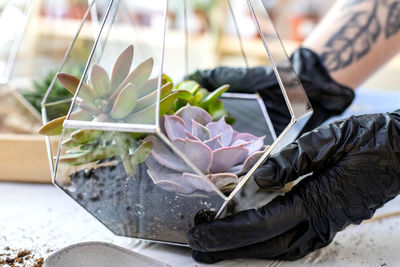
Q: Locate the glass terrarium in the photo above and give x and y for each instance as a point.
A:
(146, 150)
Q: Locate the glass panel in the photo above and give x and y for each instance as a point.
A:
(49, 32)
(123, 72)
(292, 89)
(133, 192)
(15, 13)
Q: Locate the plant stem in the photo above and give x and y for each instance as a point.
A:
(122, 142)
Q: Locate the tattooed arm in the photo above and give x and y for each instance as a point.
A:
(356, 38)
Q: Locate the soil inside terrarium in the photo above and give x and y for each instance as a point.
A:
(135, 207)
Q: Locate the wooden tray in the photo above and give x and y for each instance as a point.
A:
(23, 158)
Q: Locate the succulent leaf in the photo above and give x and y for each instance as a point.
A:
(54, 127)
(189, 85)
(191, 136)
(179, 103)
(151, 99)
(139, 76)
(213, 96)
(84, 136)
(250, 161)
(148, 87)
(226, 157)
(222, 113)
(215, 106)
(166, 79)
(197, 182)
(98, 153)
(200, 131)
(125, 102)
(166, 178)
(220, 127)
(141, 153)
(174, 127)
(214, 143)
(196, 152)
(223, 179)
(188, 113)
(184, 95)
(99, 80)
(249, 141)
(164, 156)
(121, 69)
(71, 83)
(147, 115)
(199, 96)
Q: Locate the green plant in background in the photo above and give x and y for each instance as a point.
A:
(127, 97)
(35, 96)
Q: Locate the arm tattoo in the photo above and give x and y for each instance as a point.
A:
(361, 30)
(393, 19)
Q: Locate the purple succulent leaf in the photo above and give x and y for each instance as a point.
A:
(196, 152)
(235, 133)
(243, 137)
(174, 127)
(222, 179)
(253, 145)
(251, 160)
(200, 131)
(256, 145)
(191, 136)
(170, 186)
(187, 113)
(198, 182)
(166, 178)
(235, 169)
(227, 157)
(221, 127)
(214, 143)
(165, 156)
(240, 142)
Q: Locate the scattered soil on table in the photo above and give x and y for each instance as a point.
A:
(19, 258)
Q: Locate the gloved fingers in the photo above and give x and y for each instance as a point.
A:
(290, 245)
(250, 226)
(313, 151)
(241, 80)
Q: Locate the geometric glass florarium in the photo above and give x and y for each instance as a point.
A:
(144, 150)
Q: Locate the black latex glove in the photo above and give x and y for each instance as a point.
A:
(355, 170)
(327, 97)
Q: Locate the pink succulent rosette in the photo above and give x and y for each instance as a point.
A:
(219, 152)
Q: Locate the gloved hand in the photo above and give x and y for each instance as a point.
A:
(355, 170)
(327, 97)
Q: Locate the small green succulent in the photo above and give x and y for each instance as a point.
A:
(190, 92)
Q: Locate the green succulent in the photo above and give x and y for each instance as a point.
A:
(125, 97)
(128, 97)
(190, 92)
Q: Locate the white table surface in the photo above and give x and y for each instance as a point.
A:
(43, 218)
